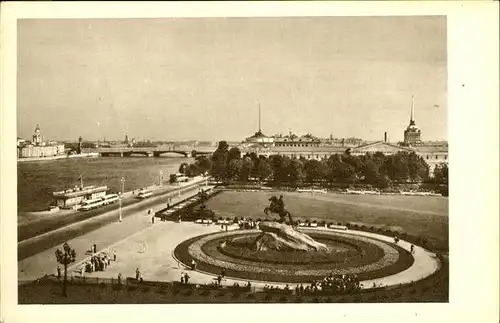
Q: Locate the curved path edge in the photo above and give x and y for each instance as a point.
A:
(425, 264)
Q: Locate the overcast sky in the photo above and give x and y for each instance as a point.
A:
(175, 79)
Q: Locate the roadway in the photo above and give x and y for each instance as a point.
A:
(84, 222)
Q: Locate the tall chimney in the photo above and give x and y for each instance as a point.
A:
(385, 136)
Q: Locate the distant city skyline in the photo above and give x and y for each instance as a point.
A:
(203, 79)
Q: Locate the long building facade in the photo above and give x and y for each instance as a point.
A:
(38, 148)
(311, 147)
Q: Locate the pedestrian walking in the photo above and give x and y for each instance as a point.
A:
(114, 255)
(119, 278)
(412, 249)
(137, 273)
(95, 247)
(58, 272)
(153, 220)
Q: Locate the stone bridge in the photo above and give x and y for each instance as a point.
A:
(154, 151)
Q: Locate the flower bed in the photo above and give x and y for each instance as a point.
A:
(394, 260)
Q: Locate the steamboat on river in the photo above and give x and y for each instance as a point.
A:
(81, 197)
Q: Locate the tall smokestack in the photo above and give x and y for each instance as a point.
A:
(385, 136)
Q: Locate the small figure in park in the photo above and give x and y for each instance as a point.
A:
(95, 248)
(219, 279)
(58, 272)
(186, 278)
(137, 273)
(182, 278)
(114, 255)
(119, 278)
(153, 220)
(193, 265)
(412, 249)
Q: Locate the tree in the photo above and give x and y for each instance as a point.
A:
(396, 167)
(220, 161)
(263, 168)
(296, 171)
(192, 170)
(441, 173)
(246, 168)
(65, 257)
(173, 178)
(233, 168)
(183, 168)
(203, 163)
(280, 166)
(223, 146)
(371, 172)
(315, 170)
(234, 153)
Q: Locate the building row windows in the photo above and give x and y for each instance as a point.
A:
(296, 145)
(445, 157)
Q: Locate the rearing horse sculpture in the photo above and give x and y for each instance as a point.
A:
(278, 206)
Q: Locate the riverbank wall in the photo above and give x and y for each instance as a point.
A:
(35, 159)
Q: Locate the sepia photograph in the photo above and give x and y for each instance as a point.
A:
(225, 160)
(234, 160)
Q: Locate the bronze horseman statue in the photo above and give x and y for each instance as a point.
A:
(278, 206)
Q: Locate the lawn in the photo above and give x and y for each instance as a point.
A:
(424, 216)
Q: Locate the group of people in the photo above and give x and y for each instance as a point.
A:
(185, 278)
(346, 283)
(97, 262)
(271, 288)
(248, 224)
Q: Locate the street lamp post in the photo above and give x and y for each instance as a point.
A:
(161, 178)
(122, 180)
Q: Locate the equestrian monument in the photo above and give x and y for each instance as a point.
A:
(282, 236)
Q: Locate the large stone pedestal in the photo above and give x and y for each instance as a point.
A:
(280, 236)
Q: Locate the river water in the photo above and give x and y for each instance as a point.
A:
(37, 180)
